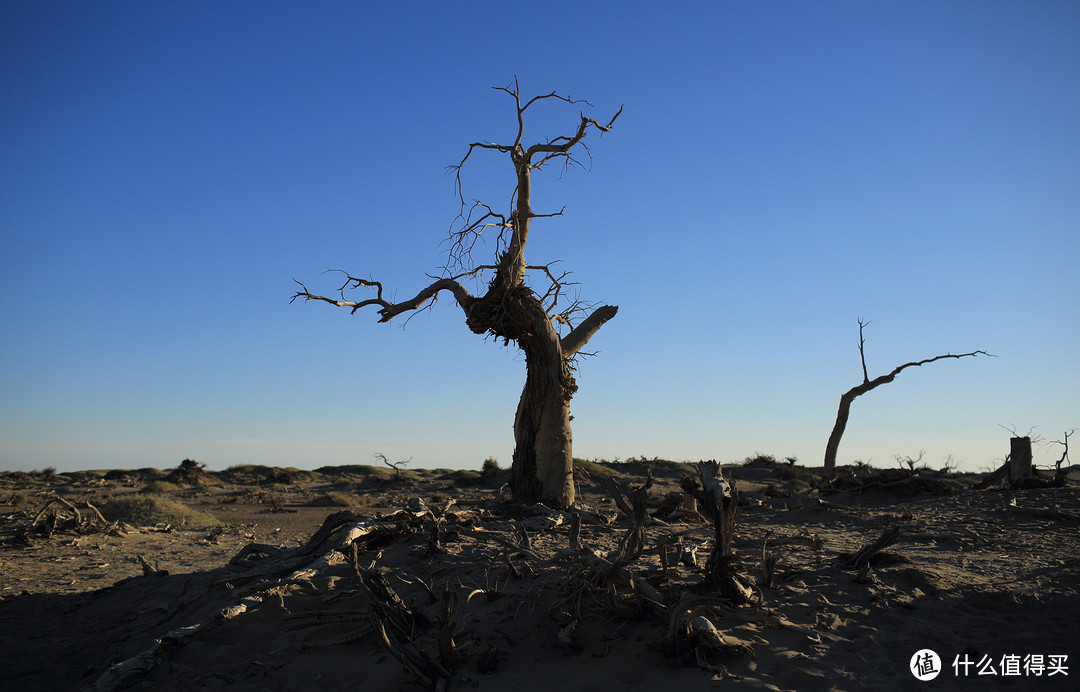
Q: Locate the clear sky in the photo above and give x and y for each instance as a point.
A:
(779, 171)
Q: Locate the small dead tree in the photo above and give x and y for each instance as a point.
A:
(867, 384)
(1061, 470)
(396, 465)
(513, 309)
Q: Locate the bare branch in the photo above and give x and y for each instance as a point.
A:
(1036, 439)
(548, 216)
(564, 144)
(862, 354)
(461, 242)
(580, 335)
(1065, 451)
(388, 310)
(892, 375)
(515, 91)
(457, 168)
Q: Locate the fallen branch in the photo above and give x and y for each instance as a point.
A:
(1041, 512)
(863, 557)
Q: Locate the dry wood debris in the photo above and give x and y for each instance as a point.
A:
(567, 571)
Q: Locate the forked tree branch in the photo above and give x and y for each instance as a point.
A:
(463, 240)
(515, 91)
(561, 145)
(862, 353)
(388, 310)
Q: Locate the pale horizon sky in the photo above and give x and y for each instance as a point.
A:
(779, 171)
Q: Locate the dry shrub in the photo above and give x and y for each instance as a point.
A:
(157, 487)
(149, 509)
(190, 472)
(335, 498)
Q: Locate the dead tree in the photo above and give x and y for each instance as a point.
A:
(1061, 470)
(396, 465)
(718, 500)
(511, 308)
(867, 384)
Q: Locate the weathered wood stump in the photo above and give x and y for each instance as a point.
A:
(1019, 461)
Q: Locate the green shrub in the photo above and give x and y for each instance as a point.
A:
(490, 467)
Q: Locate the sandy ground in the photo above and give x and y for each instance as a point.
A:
(482, 594)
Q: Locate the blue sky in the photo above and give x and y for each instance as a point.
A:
(779, 170)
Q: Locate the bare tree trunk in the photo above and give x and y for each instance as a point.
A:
(839, 426)
(543, 469)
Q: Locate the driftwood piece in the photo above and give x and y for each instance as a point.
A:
(388, 605)
(145, 661)
(449, 655)
(1044, 512)
(425, 669)
(768, 563)
(862, 558)
(58, 513)
(825, 504)
(993, 478)
(314, 557)
(717, 498)
(633, 502)
(692, 627)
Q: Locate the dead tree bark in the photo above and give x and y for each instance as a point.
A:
(850, 395)
(512, 310)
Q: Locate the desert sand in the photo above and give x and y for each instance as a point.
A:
(370, 578)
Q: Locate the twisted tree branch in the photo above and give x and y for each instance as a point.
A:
(388, 310)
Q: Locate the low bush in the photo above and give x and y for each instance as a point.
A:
(148, 509)
(157, 487)
(335, 498)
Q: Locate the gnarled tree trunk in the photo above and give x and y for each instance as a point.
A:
(543, 442)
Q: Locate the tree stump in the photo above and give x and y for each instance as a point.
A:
(1019, 461)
